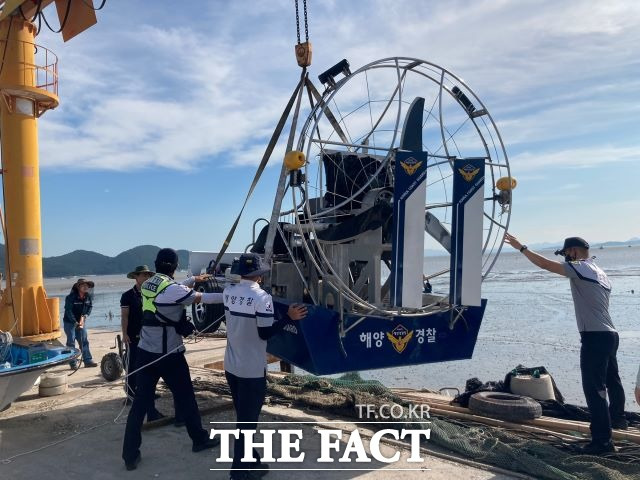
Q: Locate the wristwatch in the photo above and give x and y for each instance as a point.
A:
(523, 248)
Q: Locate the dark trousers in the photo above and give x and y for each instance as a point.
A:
(599, 368)
(132, 356)
(248, 397)
(173, 369)
(132, 360)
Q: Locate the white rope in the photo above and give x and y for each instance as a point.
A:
(106, 384)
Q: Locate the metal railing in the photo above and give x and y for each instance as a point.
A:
(43, 73)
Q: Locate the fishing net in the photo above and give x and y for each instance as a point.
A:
(544, 456)
(526, 453)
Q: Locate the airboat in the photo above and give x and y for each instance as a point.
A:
(390, 212)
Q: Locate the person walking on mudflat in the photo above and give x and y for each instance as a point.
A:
(590, 290)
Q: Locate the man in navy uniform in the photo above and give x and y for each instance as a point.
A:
(131, 322)
(161, 355)
(590, 289)
(250, 322)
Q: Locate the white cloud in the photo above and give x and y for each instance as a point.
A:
(573, 158)
(207, 84)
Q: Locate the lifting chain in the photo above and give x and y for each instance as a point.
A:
(303, 50)
(306, 24)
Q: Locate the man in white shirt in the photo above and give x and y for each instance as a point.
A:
(590, 289)
(250, 322)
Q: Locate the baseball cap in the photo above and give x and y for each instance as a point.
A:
(572, 242)
(251, 265)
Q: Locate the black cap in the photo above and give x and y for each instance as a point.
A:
(167, 256)
(250, 265)
(572, 242)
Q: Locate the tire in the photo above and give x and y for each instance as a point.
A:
(111, 367)
(52, 391)
(207, 317)
(504, 406)
(53, 379)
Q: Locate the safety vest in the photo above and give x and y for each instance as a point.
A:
(150, 315)
(150, 290)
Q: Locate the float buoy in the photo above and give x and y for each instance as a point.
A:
(506, 183)
(294, 160)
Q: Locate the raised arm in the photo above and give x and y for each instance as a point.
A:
(535, 258)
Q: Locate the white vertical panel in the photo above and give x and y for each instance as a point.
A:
(413, 255)
(472, 250)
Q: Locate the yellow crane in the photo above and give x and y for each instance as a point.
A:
(28, 88)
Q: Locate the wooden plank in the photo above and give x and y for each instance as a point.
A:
(439, 402)
(502, 423)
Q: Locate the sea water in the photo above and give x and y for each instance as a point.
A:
(529, 320)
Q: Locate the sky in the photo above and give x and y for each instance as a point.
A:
(166, 108)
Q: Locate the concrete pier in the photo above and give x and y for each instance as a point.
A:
(79, 434)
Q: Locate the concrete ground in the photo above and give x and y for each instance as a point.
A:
(79, 435)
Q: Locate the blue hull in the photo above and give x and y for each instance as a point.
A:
(24, 364)
(314, 344)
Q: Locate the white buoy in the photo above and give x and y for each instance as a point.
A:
(528, 386)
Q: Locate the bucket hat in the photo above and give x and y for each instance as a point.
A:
(84, 281)
(138, 270)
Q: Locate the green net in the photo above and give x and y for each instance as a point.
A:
(515, 451)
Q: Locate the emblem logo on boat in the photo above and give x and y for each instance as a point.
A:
(468, 172)
(410, 165)
(400, 337)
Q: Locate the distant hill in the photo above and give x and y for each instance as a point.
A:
(84, 262)
(553, 246)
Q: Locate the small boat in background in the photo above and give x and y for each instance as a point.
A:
(22, 364)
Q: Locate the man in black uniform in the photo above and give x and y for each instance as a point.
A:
(161, 355)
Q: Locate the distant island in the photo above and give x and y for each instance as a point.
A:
(553, 246)
(631, 241)
(84, 262)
